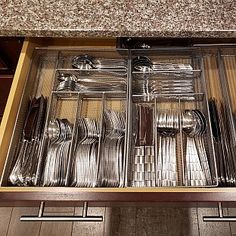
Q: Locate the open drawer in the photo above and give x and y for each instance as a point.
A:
(36, 74)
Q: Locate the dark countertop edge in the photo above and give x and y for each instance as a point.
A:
(67, 33)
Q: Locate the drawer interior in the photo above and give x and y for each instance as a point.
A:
(129, 94)
(75, 107)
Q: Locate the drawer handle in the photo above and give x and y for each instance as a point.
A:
(221, 217)
(84, 217)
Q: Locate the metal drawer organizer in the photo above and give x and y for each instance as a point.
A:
(173, 88)
(134, 92)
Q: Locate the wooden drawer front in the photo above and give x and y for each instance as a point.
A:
(10, 113)
(133, 194)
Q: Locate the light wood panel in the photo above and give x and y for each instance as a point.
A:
(212, 77)
(81, 42)
(61, 190)
(57, 194)
(18, 228)
(13, 101)
(230, 71)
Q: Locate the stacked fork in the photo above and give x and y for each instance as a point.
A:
(167, 128)
(111, 171)
(85, 163)
(56, 162)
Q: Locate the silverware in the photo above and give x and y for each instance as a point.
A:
(26, 169)
(197, 165)
(71, 82)
(67, 82)
(143, 166)
(111, 171)
(167, 122)
(143, 65)
(163, 86)
(85, 161)
(83, 62)
(56, 162)
(86, 64)
(224, 146)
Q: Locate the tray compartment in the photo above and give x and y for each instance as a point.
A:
(39, 82)
(62, 111)
(166, 101)
(219, 70)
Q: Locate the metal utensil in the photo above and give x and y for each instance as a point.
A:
(197, 167)
(56, 162)
(25, 171)
(167, 122)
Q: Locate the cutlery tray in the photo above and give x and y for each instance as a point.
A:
(117, 95)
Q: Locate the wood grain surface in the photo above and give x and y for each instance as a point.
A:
(119, 221)
(209, 228)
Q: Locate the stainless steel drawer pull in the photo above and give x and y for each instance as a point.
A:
(221, 217)
(41, 217)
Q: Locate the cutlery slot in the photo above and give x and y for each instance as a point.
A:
(182, 154)
(198, 150)
(39, 83)
(219, 70)
(91, 70)
(169, 150)
(57, 139)
(86, 141)
(166, 74)
(63, 106)
(227, 64)
(113, 143)
(141, 163)
(93, 58)
(96, 167)
(94, 82)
